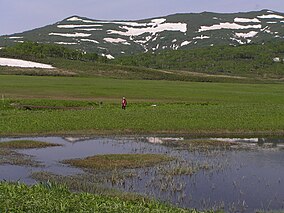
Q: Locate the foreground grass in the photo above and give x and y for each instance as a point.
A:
(180, 107)
(57, 198)
(116, 161)
(26, 144)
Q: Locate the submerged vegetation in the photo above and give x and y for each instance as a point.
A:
(11, 157)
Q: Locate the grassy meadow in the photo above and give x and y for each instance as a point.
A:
(57, 198)
(194, 108)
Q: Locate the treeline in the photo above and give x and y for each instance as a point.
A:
(256, 59)
(32, 50)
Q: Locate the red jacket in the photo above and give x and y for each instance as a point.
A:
(124, 102)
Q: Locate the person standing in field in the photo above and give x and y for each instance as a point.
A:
(123, 103)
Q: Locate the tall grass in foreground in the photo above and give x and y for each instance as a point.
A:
(16, 197)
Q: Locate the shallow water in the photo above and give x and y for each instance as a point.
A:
(242, 180)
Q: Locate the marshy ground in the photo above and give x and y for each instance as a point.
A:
(208, 173)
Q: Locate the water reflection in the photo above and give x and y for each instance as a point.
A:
(234, 179)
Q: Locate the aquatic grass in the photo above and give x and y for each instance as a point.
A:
(203, 144)
(92, 183)
(26, 144)
(187, 170)
(11, 157)
(116, 161)
(5, 152)
(51, 197)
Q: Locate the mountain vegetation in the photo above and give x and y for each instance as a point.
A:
(35, 51)
(243, 63)
(114, 39)
(260, 60)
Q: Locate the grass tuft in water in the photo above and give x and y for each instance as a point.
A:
(113, 161)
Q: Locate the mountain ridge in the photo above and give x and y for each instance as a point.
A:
(115, 38)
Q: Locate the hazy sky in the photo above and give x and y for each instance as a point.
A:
(21, 15)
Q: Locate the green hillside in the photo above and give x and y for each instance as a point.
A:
(259, 61)
(173, 32)
(246, 63)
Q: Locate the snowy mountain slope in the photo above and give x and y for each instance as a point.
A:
(179, 31)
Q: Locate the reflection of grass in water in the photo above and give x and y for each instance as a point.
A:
(26, 144)
(113, 161)
(14, 158)
(51, 197)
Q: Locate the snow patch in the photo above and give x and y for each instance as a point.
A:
(90, 29)
(75, 18)
(67, 43)
(227, 25)
(247, 35)
(70, 34)
(22, 63)
(277, 59)
(201, 37)
(16, 37)
(185, 43)
(116, 40)
(90, 40)
(237, 40)
(245, 20)
(127, 23)
(159, 20)
(109, 56)
(271, 16)
(102, 48)
(131, 31)
(78, 26)
(153, 23)
(271, 22)
(175, 46)
(157, 47)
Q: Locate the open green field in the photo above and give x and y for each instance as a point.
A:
(193, 108)
(57, 198)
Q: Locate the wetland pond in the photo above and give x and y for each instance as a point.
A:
(237, 175)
